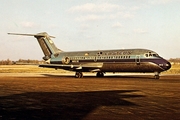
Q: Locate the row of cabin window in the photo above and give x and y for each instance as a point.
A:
(101, 57)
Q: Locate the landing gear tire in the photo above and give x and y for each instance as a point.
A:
(156, 76)
(79, 75)
(100, 74)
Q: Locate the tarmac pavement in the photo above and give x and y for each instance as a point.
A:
(116, 97)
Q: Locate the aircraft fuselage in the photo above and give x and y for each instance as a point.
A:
(126, 60)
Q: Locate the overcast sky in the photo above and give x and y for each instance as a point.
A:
(90, 25)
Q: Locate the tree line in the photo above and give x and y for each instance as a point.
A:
(174, 60)
(20, 61)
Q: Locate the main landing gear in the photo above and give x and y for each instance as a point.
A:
(156, 76)
(100, 74)
(79, 75)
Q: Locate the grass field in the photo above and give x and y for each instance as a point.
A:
(28, 69)
(175, 69)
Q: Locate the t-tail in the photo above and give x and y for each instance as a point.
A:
(47, 45)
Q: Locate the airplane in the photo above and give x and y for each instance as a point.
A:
(100, 61)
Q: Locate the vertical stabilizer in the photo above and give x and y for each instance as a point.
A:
(47, 45)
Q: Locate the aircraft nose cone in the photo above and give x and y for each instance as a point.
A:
(168, 65)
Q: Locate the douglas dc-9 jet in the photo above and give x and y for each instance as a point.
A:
(100, 61)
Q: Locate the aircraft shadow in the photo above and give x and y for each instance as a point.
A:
(61, 105)
(111, 76)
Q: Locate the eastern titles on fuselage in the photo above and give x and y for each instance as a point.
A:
(74, 57)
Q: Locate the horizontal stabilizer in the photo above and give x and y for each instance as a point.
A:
(35, 35)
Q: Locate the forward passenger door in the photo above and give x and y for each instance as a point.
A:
(137, 59)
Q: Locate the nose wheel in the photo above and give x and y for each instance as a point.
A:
(156, 76)
(78, 75)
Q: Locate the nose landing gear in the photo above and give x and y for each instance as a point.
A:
(156, 76)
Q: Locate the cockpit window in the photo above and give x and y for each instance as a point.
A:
(150, 54)
(155, 55)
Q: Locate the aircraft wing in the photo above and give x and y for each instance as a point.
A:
(94, 67)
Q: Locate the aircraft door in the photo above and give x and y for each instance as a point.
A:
(137, 60)
(95, 59)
